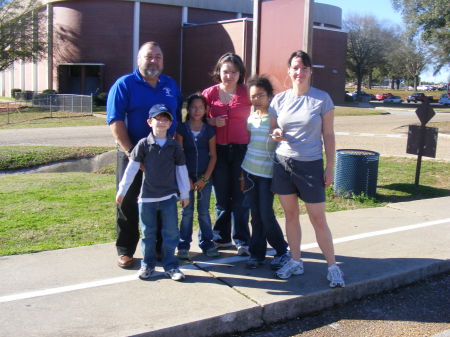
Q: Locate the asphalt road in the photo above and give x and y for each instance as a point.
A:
(419, 310)
(386, 134)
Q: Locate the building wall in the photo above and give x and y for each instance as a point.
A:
(203, 46)
(198, 15)
(94, 32)
(163, 25)
(328, 51)
(281, 32)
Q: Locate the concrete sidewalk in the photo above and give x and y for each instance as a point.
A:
(80, 291)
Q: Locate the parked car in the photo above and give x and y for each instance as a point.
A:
(393, 99)
(418, 97)
(383, 96)
(444, 100)
(354, 95)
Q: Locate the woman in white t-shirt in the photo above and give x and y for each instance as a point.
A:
(302, 124)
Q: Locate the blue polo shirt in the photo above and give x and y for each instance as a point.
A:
(131, 97)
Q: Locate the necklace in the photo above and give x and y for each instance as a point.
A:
(226, 96)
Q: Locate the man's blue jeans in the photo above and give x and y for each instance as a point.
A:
(231, 207)
(265, 227)
(205, 234)
(170, 234)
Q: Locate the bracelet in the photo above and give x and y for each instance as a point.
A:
(203, 179)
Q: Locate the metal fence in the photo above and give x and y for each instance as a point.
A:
(64, 102)
(44, 106)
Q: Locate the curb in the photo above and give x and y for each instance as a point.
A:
(73, 165)
(259, 316)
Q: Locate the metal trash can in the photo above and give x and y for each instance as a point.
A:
(356, 172)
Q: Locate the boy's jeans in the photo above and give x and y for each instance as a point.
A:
(205, 234)
(170, 233)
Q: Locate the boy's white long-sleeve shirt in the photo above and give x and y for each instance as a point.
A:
(132, 169)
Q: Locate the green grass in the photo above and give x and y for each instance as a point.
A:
(20, 157)
(13, 116)
(352, 109)
(50, 211)
(60, 210)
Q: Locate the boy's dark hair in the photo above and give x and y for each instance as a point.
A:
(191, 99)
(261, 82)
(234, 59)
(306, 60)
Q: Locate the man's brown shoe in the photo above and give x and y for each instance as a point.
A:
(125, 261)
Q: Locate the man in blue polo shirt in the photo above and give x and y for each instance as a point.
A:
(129, 101)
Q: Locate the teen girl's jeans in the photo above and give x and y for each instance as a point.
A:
(231, 208)
(170, 234)
(205, 234)
(265, 227)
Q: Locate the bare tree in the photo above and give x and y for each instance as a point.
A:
(414, 57)
(364, 49)
(19, 27)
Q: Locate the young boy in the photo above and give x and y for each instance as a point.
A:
(165, 174)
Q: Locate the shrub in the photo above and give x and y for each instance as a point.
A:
(27, 95)
(15, 93)
(49, 91)
(100, 99)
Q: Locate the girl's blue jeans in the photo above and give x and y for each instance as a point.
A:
(205, 234)
(265, 227)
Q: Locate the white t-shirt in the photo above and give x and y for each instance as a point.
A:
(300, 118)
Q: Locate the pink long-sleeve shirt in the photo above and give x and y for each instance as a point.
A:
(237, 112)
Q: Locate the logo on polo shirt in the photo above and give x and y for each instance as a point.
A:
(167, 92)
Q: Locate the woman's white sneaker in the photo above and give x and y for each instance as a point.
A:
(175, 274)
(292, 267)
(335, 276)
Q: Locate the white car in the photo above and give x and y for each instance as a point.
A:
(393, 99)
(444, 100)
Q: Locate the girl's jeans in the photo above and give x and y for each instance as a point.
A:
(205, 234)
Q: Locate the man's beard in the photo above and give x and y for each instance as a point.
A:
(152, 72)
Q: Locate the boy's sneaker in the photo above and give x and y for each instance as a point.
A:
(224, 244)
(335, 276)
(183, 254)
(253, 263)
(291, 267)
(175, 274)
(212, 252)
(145, 272)
(279, 261)
(243, 251)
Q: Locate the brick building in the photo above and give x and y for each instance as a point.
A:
(93, 42)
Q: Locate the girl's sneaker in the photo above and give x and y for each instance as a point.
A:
(291, 267)
(253, 263)
(279, 261)
(175, 274)
(145, 272)
(243, 251)
(335, 276)
(212, 252)
(183, 254)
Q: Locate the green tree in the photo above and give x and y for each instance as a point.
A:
(19, 26)
(430, 19)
